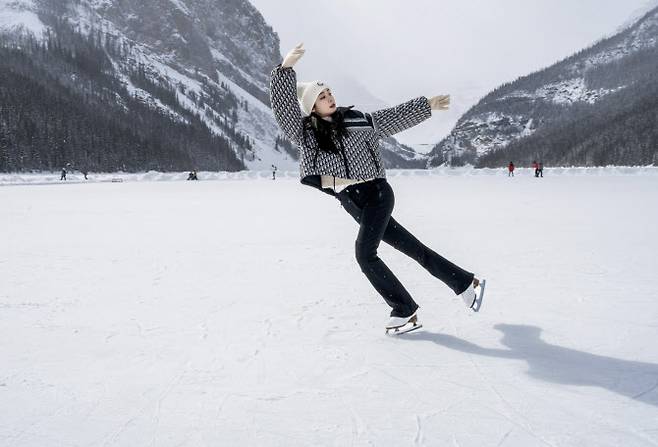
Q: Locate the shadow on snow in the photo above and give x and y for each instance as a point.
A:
(552, 363)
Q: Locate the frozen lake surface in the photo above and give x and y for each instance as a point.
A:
(232, 312)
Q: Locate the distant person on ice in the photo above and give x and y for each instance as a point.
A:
(273, 172)
(192, 176)
(535, 166)
(540, 169)
(340, 156)
(63, 176)
(510, 169)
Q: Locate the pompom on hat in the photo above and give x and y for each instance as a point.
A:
(308, 92)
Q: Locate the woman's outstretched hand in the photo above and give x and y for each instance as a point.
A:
(441, 102)
(293, 56)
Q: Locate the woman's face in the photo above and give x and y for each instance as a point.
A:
(325, 105)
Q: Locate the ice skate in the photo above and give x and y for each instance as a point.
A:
(473, 295)
(402, 325)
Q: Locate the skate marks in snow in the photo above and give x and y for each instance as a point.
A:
(564, 366)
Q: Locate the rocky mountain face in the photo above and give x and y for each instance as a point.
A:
(198, 68)
(193, 37)
(596, 107)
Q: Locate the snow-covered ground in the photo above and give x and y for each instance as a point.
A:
(232, 312)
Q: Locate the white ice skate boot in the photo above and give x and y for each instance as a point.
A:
(402, 325)
(473, 295)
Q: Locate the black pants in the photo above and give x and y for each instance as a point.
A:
(371, 205)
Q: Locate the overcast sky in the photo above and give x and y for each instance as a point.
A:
(400, 49)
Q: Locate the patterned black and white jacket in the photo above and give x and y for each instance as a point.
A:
(360, 158)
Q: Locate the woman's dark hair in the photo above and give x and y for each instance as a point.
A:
(324, 130)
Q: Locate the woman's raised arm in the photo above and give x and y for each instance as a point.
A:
(283, 95)
(396, 119)
(411, 113)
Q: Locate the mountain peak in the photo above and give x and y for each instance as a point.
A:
(617, 72)
(19, 15)
(638, 15)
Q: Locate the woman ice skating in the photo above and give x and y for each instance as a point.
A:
(339, 155)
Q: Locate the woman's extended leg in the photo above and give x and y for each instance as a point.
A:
(402, 240)
(354, 200)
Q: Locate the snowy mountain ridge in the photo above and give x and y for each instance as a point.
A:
(637, 15)
(19, 15)
(642, 34)
(172, 49)
(168, 60)
(519, 109)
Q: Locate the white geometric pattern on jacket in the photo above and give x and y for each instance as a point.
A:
(362, 158)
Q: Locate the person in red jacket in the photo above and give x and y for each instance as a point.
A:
(510, 168)
(535, 166)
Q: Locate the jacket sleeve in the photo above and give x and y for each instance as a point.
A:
(283, 97)
(390, 121)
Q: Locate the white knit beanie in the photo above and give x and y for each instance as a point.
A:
(308, 92)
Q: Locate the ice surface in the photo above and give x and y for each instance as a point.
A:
(232, 312)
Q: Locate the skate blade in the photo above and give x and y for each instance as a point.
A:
(403, 329)
(478, 301)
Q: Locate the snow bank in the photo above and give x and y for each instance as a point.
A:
(154, 176)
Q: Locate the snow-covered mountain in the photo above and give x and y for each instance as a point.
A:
(203, 48)
(637, 15)
(19, 15)
(213, 56)
(588, 90)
